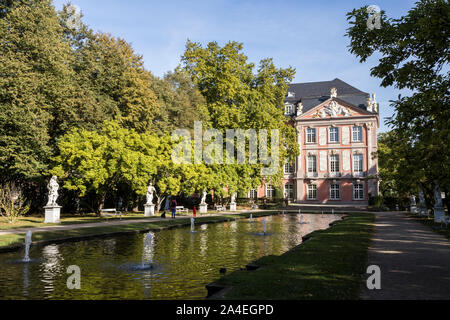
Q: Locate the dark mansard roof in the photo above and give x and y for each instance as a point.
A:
(312, 94)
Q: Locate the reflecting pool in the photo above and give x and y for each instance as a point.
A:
(182, 262)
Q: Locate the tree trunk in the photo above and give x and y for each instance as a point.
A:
(101, 203)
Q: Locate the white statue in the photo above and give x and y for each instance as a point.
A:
(334, 109)
(412, 200)
(437, 196)
(52, 187)
(150, 191)
(233, 198)
(204, 197)
(333, 93)
(299, 108)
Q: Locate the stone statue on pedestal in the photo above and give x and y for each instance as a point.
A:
(150, 191)
(203, 201)
(52, 187)
(439, 212)
(412, 200)
(422, 203)
(233, 198)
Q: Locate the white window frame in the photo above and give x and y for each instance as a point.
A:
(335, 163)
(333, 132)
(253, 194)
(333, 191)
(290, 193)
(360, 191)
(314, 163)
(288, 109)
(270, 188)
(288, 168)
(358, 158)
(312, 190)
(358, 133)
(311, 133)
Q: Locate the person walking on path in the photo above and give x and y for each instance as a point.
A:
(173, 206)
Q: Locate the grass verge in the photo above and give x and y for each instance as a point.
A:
(330, 265)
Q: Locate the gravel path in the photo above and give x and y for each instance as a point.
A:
(414, 260)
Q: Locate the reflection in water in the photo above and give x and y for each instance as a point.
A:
(26, 281)
(185, 262)
(50, 267)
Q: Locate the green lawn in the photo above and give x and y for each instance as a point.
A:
(328, 266)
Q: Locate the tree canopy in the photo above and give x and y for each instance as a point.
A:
(414, 53)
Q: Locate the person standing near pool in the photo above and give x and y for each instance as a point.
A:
(173, 206)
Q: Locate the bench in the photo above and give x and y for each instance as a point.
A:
(220, 207)
(181, 209)
(111, 212)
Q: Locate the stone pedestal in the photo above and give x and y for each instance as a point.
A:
(149, 210)
(203, 208)
(232, 206)
(52, 214)
(439, 214)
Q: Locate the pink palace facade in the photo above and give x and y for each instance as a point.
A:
(336, 127)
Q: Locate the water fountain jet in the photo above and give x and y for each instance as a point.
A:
(28, 236)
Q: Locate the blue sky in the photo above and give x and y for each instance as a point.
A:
(307, 35)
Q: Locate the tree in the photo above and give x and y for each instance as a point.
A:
(35, 87)
(180, 102)
(99, 161)
(238, 98)
(12, 202)
(415, 55)
(118, 76)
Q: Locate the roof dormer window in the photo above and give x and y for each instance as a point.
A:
(291, 94)
(288, 109)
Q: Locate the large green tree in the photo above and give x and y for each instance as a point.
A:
(414, 51)
(240, 97)
(100, 161)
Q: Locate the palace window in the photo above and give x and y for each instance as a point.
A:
(288, 109)
(358, 191)
(334, 134)
(312, 192)
(357, 134)
(312, 165)
(253, 194)
(335, 192)
(288, 168)
(334, 163)
(269, 191)
(358, 163)
(311, 135)
(289, 190)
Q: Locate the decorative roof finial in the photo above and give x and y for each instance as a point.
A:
(333, 93)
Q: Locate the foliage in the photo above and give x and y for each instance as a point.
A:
(12, 202)
(238, 98)
(99, 161)
(415, 52)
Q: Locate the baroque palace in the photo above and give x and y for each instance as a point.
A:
(337, 127)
